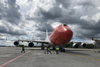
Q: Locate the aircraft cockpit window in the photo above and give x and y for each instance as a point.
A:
(64, 25)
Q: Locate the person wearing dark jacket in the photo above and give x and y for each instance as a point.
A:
(23, 49)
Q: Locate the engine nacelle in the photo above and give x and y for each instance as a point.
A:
(31, 44)
(16, 43)
(75, 45)
(83, 45)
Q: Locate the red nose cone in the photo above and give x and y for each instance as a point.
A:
(61, 35)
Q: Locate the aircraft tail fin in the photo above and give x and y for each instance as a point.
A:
(47, 36)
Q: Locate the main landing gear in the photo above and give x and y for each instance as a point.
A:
(42, 47)
(54, 48)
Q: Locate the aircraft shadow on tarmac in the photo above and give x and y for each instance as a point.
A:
(78, 52)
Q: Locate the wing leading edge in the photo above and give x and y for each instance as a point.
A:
(41, 41)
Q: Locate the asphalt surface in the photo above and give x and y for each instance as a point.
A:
(34, 57)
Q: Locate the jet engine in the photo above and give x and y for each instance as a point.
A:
(75, 45)
(31, 44)
(16, 43)
(83, 45)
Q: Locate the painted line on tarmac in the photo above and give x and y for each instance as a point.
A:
(13, 59)
(84, 56)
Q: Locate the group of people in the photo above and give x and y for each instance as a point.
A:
(48, 50)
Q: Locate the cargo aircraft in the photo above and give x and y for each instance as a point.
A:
(60, 36)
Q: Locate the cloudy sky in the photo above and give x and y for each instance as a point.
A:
(28, 19)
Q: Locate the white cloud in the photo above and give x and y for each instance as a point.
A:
(96, 17)
(55, 24)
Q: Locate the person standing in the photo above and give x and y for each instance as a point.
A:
(99, 50)
(23, 49)
(48, 50)
(57, 50)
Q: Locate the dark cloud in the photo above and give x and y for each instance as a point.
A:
(41, 35)
(10, 29)
(93, 28)
(43, 15)
(0, 17)
(87, 29)
(43, 26)
(64, 3)
(86, 3)
(68, 19)
(52, 14)
(10, 12)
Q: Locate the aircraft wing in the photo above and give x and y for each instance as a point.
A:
(38, 41)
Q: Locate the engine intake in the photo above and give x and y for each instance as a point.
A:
(31, 44)
(16, 43)
(75, 45)
(83, 44)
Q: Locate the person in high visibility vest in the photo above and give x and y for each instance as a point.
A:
(99, 50)
(23, 49)
(48, 50)
(57, 50)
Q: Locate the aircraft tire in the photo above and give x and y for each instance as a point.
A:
(54, 48)
(63, 50)
(42, 48)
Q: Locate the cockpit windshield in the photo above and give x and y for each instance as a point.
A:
(64, 25)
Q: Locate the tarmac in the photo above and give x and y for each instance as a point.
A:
(35, 57)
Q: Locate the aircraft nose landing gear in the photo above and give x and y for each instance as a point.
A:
(61, 49)
(42, 46)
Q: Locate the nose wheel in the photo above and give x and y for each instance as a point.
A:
(54, 48)
(42, 48)
(62, 49)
